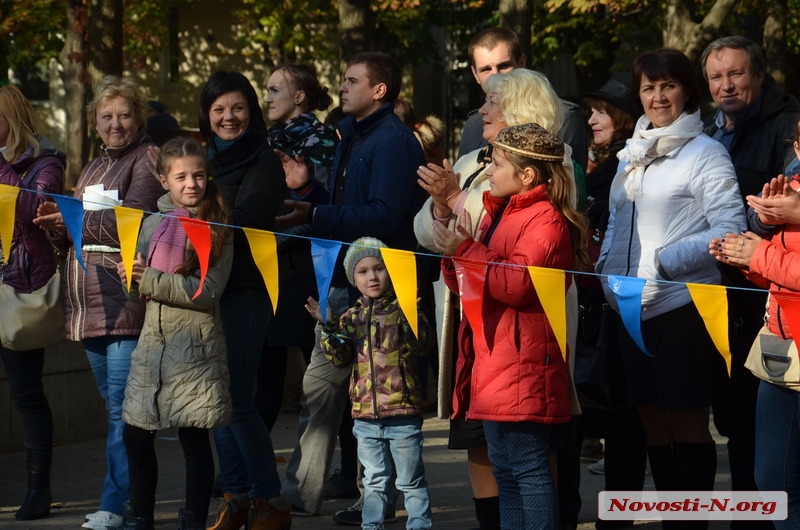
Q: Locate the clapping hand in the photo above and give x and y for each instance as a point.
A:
(48, 217)
(778, 203)
(295, 169)
(448, 238)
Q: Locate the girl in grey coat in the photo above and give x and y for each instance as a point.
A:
(179, 372)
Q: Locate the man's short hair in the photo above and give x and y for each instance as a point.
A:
(491, 37)
(737, 42)
(381, 68)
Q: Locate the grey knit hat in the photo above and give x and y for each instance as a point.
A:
(360, 249)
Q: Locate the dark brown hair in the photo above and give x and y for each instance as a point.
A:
(668, 63)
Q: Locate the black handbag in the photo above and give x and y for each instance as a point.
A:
(591, 347)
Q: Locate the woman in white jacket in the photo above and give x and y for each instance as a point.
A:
(675, 190)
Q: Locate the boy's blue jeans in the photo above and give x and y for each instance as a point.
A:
(384, 443)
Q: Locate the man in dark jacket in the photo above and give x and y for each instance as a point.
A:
(755, 122)
(374, 193)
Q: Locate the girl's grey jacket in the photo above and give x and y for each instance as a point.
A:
(179, 371)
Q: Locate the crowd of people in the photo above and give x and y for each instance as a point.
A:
(630, 184)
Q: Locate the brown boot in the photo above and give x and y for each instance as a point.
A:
(268, 515)
(232, 512)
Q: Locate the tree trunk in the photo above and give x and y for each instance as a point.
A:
(774, 45)
(73, 60)
(355, 25)
(105, 39)
(517, 15)
(690, 37)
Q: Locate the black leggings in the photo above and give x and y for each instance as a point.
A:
(143, 469)
(24, 372)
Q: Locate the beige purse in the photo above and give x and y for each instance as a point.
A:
(29, 321)
(774, 359)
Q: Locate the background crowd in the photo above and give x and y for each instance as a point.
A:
(635, 185)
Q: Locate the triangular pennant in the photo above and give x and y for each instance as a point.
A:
(402, 268)
(324, 254)
(790, 307)
(471, 277)
(72, 212)
(628, 292)
(199, 233)
(264, 248)
(712, 304)
(550, 285)
(8, 213)
(129, 220)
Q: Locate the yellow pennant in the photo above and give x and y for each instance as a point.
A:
(264, 248)
(550, 285)
(129, 220)
(8, 213)
(712, 304)
(402, 268)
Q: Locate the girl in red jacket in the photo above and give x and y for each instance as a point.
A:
(514, 377)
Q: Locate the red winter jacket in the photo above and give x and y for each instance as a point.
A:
(776, 264)
(518, 374)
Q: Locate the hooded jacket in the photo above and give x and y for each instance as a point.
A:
(31, 260)
(179, 369)
(375, 338)
(95, 303)
(516, 372)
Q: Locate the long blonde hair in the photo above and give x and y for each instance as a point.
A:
(24, 125)
(561, 193)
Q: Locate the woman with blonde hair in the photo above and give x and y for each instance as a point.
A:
(28, 162)
(98, 312)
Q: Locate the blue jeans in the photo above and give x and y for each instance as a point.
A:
(520, 456)
(110, 359)
(778, 447)
(244, 449)
(380, 442)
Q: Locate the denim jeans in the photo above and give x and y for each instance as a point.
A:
(520, 456)
(110, 359)
(778, 447)
(244, 448)
(381, 442)
(324, 401)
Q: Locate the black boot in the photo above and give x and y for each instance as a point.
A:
(38, 499)
(487, 511)
(665, 476)
(187, 520)
(131, 521)
(697, 468)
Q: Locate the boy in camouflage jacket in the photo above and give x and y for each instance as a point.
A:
(375, 337)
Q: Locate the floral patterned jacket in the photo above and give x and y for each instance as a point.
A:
(376, 338)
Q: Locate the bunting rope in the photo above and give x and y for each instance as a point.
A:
(550, 284)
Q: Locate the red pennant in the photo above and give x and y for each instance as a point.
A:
(790, 306)
(471, 282)
(199, 233)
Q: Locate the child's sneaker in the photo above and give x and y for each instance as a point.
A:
(102, 520)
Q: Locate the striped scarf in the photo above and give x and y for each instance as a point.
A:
(167, 248)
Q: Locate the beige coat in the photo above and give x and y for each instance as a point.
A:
(179, 371)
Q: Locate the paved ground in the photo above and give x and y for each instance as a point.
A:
(79, 470)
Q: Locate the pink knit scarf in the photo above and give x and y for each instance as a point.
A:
(168, 243)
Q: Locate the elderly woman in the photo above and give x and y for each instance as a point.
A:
(250, 177)
(28, 162)
(675, 191)
(515, 98)
(97, 310)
